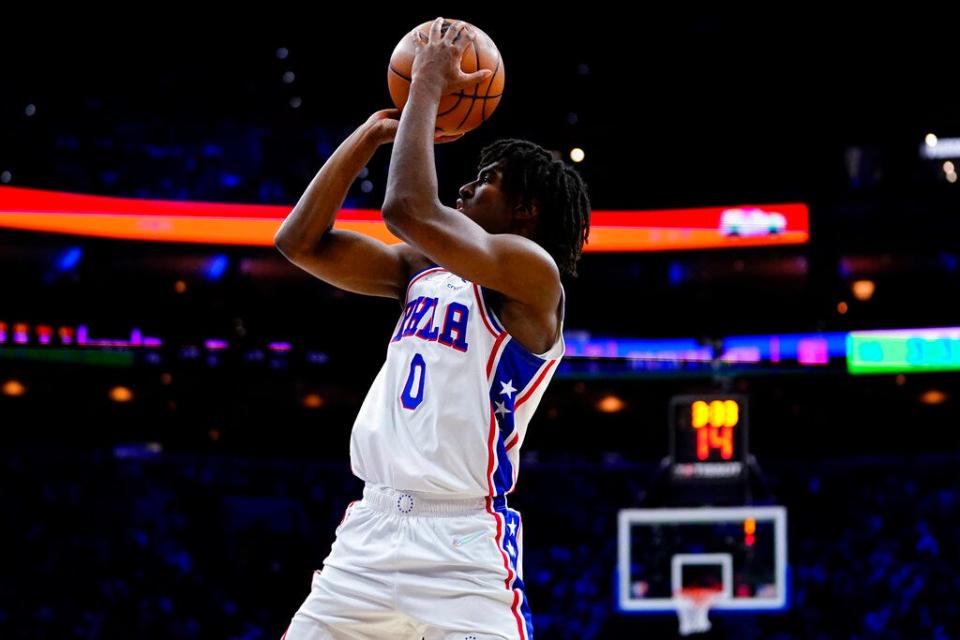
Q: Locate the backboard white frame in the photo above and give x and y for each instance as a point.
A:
(775, 514)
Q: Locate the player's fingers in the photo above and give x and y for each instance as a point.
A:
(393, 114)
(436, 30)
(453, 31)
(439, 138)
(465, 35)
(477, 76)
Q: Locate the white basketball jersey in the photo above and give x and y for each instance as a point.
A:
(448, 411)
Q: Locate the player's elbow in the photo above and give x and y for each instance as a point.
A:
(293, 243)
(294, 249)
(284, 245)
(395, 207)
(399, 214)
(409, 203)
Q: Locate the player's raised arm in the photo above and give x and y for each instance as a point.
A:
(345, 259)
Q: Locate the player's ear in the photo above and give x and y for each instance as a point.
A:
(527, 211)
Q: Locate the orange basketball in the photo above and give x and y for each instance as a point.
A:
(465, 109)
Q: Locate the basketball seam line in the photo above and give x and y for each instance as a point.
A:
(483, 110)
(400, 74)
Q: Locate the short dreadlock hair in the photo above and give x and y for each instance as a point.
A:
(529, 172)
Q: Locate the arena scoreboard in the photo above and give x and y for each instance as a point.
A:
(708, 437)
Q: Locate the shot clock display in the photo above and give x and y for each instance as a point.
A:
(708, 436)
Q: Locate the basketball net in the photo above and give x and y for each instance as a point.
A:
(693, 608)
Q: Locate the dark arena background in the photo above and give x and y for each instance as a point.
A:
(776, 245)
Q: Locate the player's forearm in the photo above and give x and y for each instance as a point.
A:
(317, 209)
(412, 179)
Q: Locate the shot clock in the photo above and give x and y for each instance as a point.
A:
(708, 437)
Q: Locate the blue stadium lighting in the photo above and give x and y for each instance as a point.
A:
(189, 352)
(844, 268)
(70, 259)
(806, 348)
(317, 357)
(949, 261)
(813, 349)
(217, 267)
(581, 344)
(230, 180)
(676, 274)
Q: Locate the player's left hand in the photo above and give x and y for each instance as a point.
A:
(383, 125)
(439, 138)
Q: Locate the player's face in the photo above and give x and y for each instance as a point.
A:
(483, 201)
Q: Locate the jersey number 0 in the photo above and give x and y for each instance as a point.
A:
(412, 394)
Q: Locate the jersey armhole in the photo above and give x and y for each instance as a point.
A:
(556, 350)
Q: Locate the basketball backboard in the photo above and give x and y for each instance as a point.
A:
(739, 551)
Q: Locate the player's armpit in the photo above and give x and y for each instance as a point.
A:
(356, 263)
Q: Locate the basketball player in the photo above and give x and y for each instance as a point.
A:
(432, 550)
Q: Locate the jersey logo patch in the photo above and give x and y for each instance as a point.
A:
(423, 319)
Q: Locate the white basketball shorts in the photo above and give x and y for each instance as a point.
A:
(408, 566)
